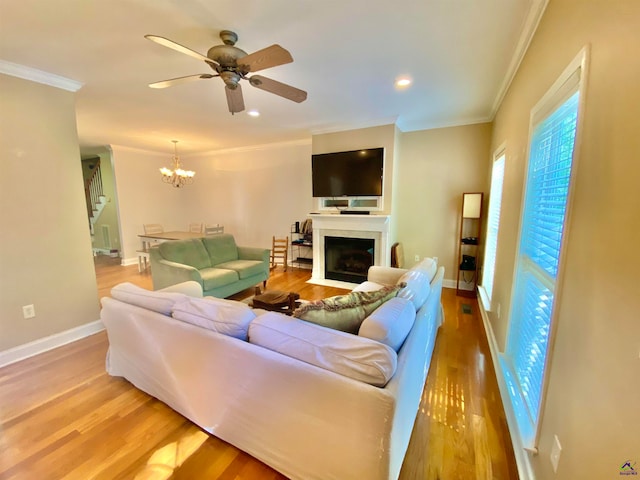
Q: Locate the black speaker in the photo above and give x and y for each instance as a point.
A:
(297, 227)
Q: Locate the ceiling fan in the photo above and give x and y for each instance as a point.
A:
(232, 65)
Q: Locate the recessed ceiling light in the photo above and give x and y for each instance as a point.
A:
(253, 113)
(403, 82)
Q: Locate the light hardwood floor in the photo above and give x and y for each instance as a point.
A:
(62, 416)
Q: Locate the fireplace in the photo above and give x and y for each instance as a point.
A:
(371, 228)
(348, 259)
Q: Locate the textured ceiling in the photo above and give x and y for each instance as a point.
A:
(347, 55)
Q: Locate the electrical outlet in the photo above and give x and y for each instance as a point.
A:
(28, 311)
(556, 449)
(417, 258)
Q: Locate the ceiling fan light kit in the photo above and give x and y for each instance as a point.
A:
(232, 65)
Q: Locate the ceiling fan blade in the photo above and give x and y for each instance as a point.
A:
(282, 89)
(266, 58)
(179, 80)
(165, 42)
(234, 99)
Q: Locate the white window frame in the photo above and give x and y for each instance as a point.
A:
(525, 431)
(493, 216)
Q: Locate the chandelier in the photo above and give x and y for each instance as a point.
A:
(176, 176)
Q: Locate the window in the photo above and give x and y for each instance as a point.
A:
(554, 123)
(493, 224)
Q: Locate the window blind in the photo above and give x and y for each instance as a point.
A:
(543, 220)
(493, 224)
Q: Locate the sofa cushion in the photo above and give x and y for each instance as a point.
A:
(349, 355)
(417, 287)
(345, 312)
(223, 316)
(390, 323)
(161, 302)
(217, 277)
(188, 252)
(221, 248)
(368, 286)
(428, 265)
(245, 268)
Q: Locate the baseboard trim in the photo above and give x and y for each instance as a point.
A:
(446, 283)
(525, 470)
(45, 344)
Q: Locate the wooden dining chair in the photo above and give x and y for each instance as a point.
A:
(213, 229)
(196, 227)
(279, 249)
(152, 228)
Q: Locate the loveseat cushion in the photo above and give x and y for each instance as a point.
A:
(217, 277)
(221, 248)
(368, 286)
(244, 268)
(349, 355)
(161, 302)
(188, 252)
(390, 323)
(345, 312)
(227, 317)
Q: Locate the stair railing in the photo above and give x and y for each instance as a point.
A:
(93, 189)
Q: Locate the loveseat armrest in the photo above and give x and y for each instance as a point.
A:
(253, 253)
(385, 275)
(190, 288)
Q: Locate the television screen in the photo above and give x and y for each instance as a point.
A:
(348, 174)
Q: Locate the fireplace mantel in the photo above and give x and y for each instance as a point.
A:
(375, 227)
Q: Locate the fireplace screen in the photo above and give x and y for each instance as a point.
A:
(348, 259)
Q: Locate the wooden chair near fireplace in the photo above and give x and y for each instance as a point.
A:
(397, 255)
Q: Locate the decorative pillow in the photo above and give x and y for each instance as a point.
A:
(417, 287)
(390, 323)
(161, 302)
(368, 286)
(223, 316)
(345, 312)
(354, 357)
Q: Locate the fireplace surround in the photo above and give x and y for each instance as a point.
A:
(369, 227)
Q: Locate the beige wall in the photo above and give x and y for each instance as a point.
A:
(255, 193)
(45, 244)
(434, 168)
(593, 401)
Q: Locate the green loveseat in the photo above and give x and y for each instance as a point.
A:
(215, 262)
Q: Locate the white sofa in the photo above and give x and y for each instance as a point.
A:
(300, 417)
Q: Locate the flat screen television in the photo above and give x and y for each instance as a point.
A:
(357, 173)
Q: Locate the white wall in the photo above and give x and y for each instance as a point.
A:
(593, 399)
(45, 243)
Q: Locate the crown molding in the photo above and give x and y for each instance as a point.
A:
(39, 76)
(529, 27)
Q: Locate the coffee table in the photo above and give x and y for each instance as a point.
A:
(276, 301)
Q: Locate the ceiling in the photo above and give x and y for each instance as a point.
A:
(347, 54)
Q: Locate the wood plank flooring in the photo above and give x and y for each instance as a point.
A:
(62, 416)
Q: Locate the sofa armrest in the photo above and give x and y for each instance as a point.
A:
(253, 253)
(190, 288)
(385, 275)
(165, 273)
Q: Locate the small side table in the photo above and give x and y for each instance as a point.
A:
(276, 301)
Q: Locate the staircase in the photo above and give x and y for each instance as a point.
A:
(94, 196)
